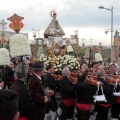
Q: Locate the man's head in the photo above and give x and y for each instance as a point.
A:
(11, 65)
(81, 76)
(95, 65)
(38, 68)
(100, 67)
(101, 74)
(112, 68)
(19, 72)
(114, 61)
(83, 66)
(65, 66)
(50, 68)
(8, 105)
(105, 60)
(99, 63)
(27, 62)
(66, 72)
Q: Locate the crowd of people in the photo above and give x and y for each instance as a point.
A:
(62, 96)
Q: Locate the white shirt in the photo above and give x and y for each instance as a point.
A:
(38, 76)
(0, 88)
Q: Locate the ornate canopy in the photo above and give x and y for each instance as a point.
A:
(53, 29)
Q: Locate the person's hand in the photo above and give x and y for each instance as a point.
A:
(50, 92)
(1, 84)
(45, 99)
(74, 80)
(99, 83)
(94, 82)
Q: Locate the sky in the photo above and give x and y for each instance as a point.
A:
(82, 15)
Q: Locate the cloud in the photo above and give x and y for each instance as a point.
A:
(72, 14)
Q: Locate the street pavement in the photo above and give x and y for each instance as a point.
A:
(92, 117)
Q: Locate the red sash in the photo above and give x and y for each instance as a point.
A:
(23, 118)
(104, 105)
(84, 106)
(69, 101)
(117, 99)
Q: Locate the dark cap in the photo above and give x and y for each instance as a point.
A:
(38, 66)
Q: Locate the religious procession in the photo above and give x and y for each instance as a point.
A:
(51, 81)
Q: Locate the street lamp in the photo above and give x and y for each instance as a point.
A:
(111, 10)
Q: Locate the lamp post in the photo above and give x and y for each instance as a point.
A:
(111, 10)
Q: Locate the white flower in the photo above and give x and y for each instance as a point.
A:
(19, 45)
(42, 55)
(45, 59)
(49, 58)
(65, 62)
(60, 69)
(56, 69)
(71, 67)
(4, 56)
(57, 62)
(60, 65)
(57, 59)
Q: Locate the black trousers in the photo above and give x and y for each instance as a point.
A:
(83, 114)
(102, 112)
(51, 105)
(115, 111)
(67, 112)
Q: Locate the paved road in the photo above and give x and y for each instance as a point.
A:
(92, 117)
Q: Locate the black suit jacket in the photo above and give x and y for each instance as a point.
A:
(25, 103)
(108, 90)
(36, 90)
(67, 89)
(85, 92)
(9, 75)
(50, 82)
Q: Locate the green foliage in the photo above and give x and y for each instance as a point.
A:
(81, 52)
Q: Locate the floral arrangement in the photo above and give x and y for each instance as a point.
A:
(19, 45)
(45, 59)
(66, 59)
(60, 60)
(4, 56)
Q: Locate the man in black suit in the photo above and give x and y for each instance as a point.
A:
(26, 108)
(51, 83)
(103, 107)
(9, 75)
(67, 90)
(36, 89)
